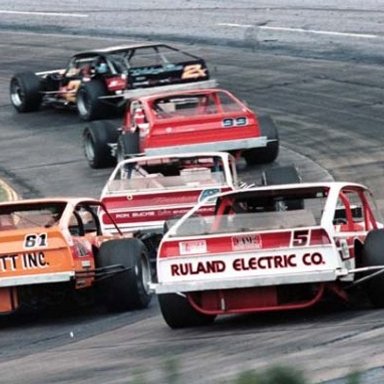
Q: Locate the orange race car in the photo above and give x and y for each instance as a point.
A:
(54, 249)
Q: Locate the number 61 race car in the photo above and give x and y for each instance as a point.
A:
(54, 249)
(271, 248)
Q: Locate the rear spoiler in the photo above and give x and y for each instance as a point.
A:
(129, 94)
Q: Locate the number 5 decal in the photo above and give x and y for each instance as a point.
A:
(300, 238)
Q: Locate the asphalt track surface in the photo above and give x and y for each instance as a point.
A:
(317, 69)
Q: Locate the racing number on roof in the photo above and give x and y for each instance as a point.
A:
(300, 238)
(34, 240)
(193, 71)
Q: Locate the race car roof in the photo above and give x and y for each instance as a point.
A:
(334, 185)
(67, 200)
(189, 92)
(122, 48)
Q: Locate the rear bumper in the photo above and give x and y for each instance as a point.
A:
(43, 278)
(221, 146)
(247, 282)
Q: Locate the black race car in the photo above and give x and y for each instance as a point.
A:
(97, 82)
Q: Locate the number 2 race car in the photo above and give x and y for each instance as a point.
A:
(271, 248)
(55, 249)
(143, 193)
(203, 120)
(98, 81)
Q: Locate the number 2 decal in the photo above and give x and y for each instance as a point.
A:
(300, 238)
(34, 240)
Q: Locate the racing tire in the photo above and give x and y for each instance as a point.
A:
(95, 143)
(25, 92)
(127, 145)
(89, 104)
(129, 288)
(372, 255)
(269, 153)
(281, 175)
(178, 312)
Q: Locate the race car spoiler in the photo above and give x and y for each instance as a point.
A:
(129, 94)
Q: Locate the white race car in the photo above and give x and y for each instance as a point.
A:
(143, 193)
(271, 248)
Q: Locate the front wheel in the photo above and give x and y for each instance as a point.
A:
(179, 313)
(89, 104)
(129, 288)
(25, 92)
(373, 256)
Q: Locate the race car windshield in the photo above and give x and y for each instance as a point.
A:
(184, 106)
(259, 213)
(171, 174)
(30, 216)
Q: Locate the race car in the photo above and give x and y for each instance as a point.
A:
(97, 82)
(55, 250)
(203, 120)
(145, 193)
(271, 248)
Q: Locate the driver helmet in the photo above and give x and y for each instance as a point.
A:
(102, 68)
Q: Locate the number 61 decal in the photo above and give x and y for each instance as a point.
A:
(34, 240)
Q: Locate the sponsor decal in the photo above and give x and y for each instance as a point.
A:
(193, 246)
(27, 261)
(241, 264)
(244, 242)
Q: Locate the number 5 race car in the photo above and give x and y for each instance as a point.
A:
(55, 249)
(98, 81)
(204, 120)
(271, 248)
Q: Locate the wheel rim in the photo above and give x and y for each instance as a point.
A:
(17, 94)
(145, 273)
(88, 148)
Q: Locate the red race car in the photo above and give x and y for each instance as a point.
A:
(204, 120)
(271, 248)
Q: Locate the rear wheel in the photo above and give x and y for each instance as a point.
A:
(25, 92)
(372, 256)
(95, 143)
(128, 289)
(90, 106)
(178, 312)
(127, 145)
(269, 153)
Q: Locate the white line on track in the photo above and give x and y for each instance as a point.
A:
(55, 14)
(302, 30)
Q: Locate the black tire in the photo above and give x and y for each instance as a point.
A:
(89, 104)
(25, 92)
(281, 175)
(95, 143)
(269, 153)
(127, 145)
(128, 289)
(373, 255)
(178, 313)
